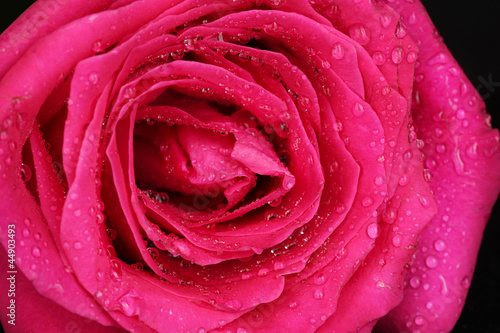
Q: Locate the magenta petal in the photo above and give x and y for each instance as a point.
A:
(239, 166)
(463, 155)
(377, 286)
(38, 314)
(47, 16)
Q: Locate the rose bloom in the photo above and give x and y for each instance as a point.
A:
(238, 166)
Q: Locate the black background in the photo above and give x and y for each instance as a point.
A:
(470, 29)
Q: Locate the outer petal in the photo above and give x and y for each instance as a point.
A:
(46, 16)
(37, 314)
(463, 156)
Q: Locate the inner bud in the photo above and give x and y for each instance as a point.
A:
(192, 167)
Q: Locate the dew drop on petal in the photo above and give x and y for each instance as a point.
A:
(419, 320)
(25, 172)
(466, 282)
(378, 58)
(318, 293)
(99, 275)
(319, 279)
(397, 55)
(404, 180)
(366, 202)
(385, 20)
(233, 304)
(360, 33)
(441, 148)
(396, 241)
(415, 282)
(408, 155)
(431, 262)
(439, 245)
(35, 251)
(400, 30)
(338, 51)
(373, 230)
(93, 78)
(411, 57)
(358, 110)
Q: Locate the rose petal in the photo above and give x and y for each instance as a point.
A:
(462, 152)
(36, 313)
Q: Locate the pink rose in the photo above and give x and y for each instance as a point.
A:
(238, 166)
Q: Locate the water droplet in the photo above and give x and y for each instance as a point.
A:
(385, 20)
(397, 55)
(367, 202)
(341, 254)
(36, 251)
(444, 287)
(276, 202)
(427, 175)
(129, 92)
(77, 245)
(99, 275)
(233, 304)
(93, 78)
(25, 172)
(461, 114)
(396, 241)
(26, 232)
(404, 180)
(424, 201)
(270, 215)
(138, 266)
(419, 320)
(152, 251)
(411, 57)
(400, 30)
(408, 155)
(378, 58)
(412, 18)
(128, 305)
(338, 51)
(97, 46)
(466, 282)
(263, 272)
(373, 230)
(431, 262)
(358, 110)
(440, 148)
(318, 294)
(439, 245)
(292, 305)
(415, 282)
(431, 163)
(116, 270)
(379, 180)
(325, 64)
(289, 183)
(389, 216)
(439, 58)
(360, 33)
(340, 208)
(278, 265)
(319, 279)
